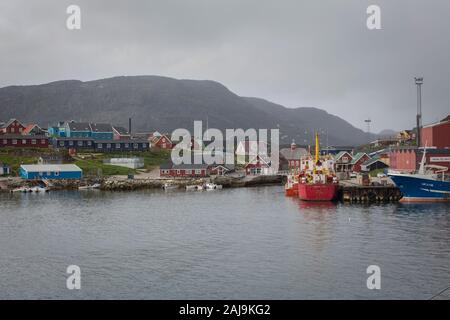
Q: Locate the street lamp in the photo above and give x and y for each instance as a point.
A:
(419, 82)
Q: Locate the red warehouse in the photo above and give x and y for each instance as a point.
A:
(22, 141)
(436, 135)
(171, 170)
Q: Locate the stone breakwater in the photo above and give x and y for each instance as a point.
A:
(226, 182)
(118, 184)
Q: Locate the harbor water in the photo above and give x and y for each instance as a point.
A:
(251, 243)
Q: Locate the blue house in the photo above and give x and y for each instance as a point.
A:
(50, 171)
(57, 131)
(78, 129)
(102, 131)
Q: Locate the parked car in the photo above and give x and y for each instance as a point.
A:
(381, 175)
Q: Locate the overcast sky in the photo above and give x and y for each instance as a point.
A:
(316, 53)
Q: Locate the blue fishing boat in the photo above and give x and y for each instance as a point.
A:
(430, 183)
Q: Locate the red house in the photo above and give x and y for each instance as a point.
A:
(13, 126)
(258, 165)
(293, 155)
(23, 141)
(170, 170)
(358, 160)
(162, 142)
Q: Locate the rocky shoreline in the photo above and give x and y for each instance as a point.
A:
(117, 184)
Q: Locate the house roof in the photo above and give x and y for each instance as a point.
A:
(357, 157)
(226, 166)
(340, 154)
(101, 127)
(72, 139)
(372, 161)
(295, 154)
(263, 159)
(29, 128)
(121, 130)
(6, 124)
(50, 167)
(122, 141)
(79, 126)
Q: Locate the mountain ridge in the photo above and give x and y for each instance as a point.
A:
(164, 104)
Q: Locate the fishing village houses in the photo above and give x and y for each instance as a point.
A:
(396, 153)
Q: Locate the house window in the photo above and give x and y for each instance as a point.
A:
(61, 143)
(117, 145)
(24, 141)
(80, 143)
(188, 171)
(127, 145)
(108, 146)
(178, 171)
(99, 145)
(198, 171)
(12, 130)
(33, 141)
(70, 143)
(56, 174)
(20, 129)
(135, 145)
(89, 143)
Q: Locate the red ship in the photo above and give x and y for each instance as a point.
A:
(318, 191)
(316, 182)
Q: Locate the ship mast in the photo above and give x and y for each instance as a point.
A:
(317, 148)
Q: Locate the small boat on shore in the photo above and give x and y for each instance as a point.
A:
(169, 186)
(212, 186)
(91, 187)
(194, 188)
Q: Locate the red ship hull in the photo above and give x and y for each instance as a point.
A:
(293, 191)
(317, 192)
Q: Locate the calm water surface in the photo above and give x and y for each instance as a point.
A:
(234, 244)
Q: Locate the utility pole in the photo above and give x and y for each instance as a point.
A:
(419, 82)
(368, 121)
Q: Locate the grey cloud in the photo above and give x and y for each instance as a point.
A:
(293, 52)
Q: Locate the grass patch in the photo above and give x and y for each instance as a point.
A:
(94, 167)
(374, 173)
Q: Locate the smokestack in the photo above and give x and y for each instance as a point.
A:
(129, 125)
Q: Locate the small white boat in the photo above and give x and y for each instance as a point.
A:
(169, 186)
(212, 186)
(38, 189)
(94, 186)
(194, 188)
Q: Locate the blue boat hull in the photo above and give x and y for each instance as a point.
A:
(420, 189)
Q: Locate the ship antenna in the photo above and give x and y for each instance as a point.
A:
(422, 163)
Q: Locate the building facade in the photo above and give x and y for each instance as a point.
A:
(22, 141)
(50, 171)
(436, 135)
(101, 145)
(170, 170)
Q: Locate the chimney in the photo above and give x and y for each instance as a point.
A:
(293, 146)
(129, 125)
